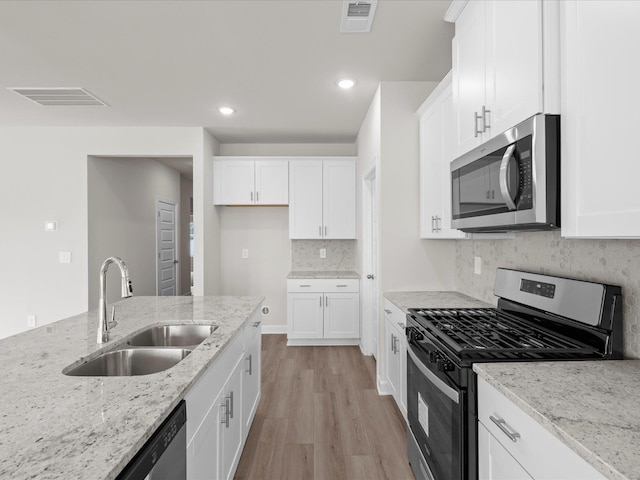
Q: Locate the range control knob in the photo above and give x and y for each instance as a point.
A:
(444, 365)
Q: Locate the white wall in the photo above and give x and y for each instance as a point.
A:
(186, 195)
(122, 195)
(44, 177)
(407, 263)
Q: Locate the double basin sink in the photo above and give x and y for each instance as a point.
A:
(152, 350)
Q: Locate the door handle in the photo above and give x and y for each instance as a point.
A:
(175, 261)
(504, 172)
(371, 276)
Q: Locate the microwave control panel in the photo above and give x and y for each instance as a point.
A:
(523, 149)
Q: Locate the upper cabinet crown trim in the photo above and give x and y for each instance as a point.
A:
(454, 10)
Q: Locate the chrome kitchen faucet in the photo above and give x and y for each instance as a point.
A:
(127, 291)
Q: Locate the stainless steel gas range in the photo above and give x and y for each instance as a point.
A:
(538, 318)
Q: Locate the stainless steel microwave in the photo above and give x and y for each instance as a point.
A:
(511, 182)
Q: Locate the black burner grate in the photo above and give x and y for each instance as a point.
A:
(493, 334)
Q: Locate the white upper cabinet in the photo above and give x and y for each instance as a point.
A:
(437, 143)
(600, 98)
(250, 181)
(505, 66)
(322, 196)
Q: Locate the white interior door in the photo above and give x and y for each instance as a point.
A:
(166, 248)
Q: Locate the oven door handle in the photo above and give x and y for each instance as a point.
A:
(451, 393)
(504, 171)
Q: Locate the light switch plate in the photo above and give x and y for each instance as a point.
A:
(245, 253)
(323, 253)
(477, 265)
(50, 226)
(31, 321)
(64, 257)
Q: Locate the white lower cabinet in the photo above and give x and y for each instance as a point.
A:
(323, 312)
(395, 354)
(222, 405)
(512, 445)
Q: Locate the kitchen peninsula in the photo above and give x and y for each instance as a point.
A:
(58, 427)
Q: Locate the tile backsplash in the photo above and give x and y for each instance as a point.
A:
(616, 262)
(305, 255)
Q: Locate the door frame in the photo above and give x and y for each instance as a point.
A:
(176, 242)
(370, 289)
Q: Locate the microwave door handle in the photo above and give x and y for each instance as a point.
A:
(504, 171)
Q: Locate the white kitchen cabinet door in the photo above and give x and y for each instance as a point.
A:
(203, 449)
(271, 182)
(233, 182)
(469, 76)
(600, 96)
(305, 315)
(495, 462)
(251, 382)
(437, 146)
(339, 199)
(305, 199)
(341, 315)
(231, 437)
(392, 359)
(513, 62)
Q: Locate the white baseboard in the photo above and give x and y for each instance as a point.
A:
(319, 342)
(383, 387)
(273, 329)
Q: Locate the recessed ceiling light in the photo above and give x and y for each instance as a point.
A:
(226, 110)
(346, 83)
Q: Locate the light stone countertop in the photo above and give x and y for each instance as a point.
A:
(592, 406)
(58, 427)
(316, 275)
(451, 299)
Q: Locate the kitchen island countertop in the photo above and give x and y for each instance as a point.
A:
(61, 427)
(592, 406)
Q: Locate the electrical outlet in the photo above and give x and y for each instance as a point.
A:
(64, 257)
(323, 253)
(245, 253)
(31, 321)
(477, 265)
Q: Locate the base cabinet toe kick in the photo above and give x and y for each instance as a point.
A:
(221, 406)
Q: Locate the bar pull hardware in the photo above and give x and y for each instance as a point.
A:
(320, 300)
(502, 425)
(320, 231)
(475, 128)
(433, 220)
(250, 359)
(326, 301)
(257, 196)
(341, 285)
(231, 400)
(225, 405)
(304, 285)
(388, 312)
(325, 231)
(485, 123)
(392, 336)
(251, 196)
(257, 324)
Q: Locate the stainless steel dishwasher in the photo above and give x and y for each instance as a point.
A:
(164, 456)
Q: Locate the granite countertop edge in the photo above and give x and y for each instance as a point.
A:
(322, 274)
(433, 299)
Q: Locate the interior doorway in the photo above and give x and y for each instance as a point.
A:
(167, 279)
(370, 288)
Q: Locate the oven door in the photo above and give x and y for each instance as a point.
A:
(435, 408)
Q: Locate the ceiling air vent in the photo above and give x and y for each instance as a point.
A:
(357, 16)
(60, 97)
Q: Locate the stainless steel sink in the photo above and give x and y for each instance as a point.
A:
(172, 336)
(130, 361)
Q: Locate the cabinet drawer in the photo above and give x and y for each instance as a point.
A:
(396, 316)
(542, 454)
(199, 398)
(323, 285)
(253, 327)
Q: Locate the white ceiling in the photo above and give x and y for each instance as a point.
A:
(172, 63)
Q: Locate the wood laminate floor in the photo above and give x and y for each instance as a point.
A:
(320, 417)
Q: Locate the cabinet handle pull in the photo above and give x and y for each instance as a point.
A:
(257, 196)
(325, 231)
(249, 358)
(231, 400)
(401, 325)
(475, 128)
(392, 342)
(252, 196)
(388, 312)
(320, 231)
(340, 285)
(502, 425)
(485, 123)
(326, 301)
(225, 405)
(257, 324)
(304, 285)
(320, 300)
